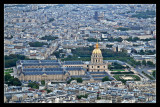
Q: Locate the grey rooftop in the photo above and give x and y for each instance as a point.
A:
(72, 62)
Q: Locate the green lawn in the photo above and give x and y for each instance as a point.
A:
(8, 71)
(11, 69)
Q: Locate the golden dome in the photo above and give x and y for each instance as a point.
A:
(96, 50)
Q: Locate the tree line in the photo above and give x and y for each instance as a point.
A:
(37, 44)
(11, 60)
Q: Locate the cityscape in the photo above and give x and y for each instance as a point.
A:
(79, 53)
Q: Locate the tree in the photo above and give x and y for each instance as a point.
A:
(138, 63)
(80, 96)
(151, 64)
(129, 39)
(33, 85)
(48, 38)
(10, 80)
(69, 56)
(48, 91)
(144, 62)
(16, 82)
(7, 77)
(43, 82)
(10, 60)
(119, 39)
(105, 79)
(135, 39)
(141, 52)
(51, 19)
(154, 73)
(92, 40)
(79, 80)
(110, 67)
(68, 82)
(37, 44)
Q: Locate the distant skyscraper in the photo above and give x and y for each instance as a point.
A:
(96, 15)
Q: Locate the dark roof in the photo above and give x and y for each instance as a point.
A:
(53, 69)
(38, 61)
(38, 64)
(32, 69)
(99, 75)
(72, 62)
(29, 61)
(74, 68)
(80, 76)
(45, 72)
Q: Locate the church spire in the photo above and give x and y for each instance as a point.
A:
(97, 44)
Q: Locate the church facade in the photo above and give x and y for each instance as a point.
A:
(97, 64)
(57, 71)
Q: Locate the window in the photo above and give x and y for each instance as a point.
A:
(92, 66)
(104, 66)
(97, 66)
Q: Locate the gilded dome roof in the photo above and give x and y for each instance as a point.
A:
(96, 50)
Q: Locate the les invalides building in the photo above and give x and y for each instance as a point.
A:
(57, 71)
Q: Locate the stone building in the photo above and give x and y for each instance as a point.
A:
(97, 64)
(58, 71)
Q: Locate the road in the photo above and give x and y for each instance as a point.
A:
(138, 70)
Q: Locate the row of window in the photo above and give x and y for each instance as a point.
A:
(98, 66)
(73, 66)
